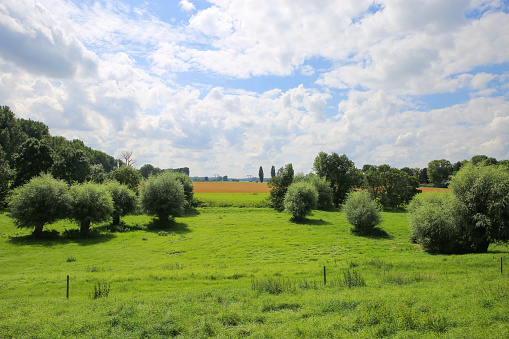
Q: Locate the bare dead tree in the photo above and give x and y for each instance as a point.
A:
(127, 156)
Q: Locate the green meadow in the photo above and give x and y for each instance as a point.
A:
(230, 272)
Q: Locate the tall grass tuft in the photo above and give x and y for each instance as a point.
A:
(272, 285)
(100, 290)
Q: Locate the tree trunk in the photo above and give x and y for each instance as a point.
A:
(116, 218)
(37, 233)
(84, 227)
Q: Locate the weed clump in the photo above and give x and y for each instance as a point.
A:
(100, 290)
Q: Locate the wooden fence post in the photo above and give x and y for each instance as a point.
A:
(67, 287)
(324, 277)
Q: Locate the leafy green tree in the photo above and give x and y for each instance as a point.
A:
(43, 200)
(300, 199)
(90, 203)
(362, 212)
(6, 175)
(439, 172)
(279, 185)
(71, 165)
(325, 193)
(97, 174)
(260, 174)
(11, 134)
(322, 186)
(33, 129)
(390, 186)
(33, 158)
(148, 170)
(163, 195)
(124, 200)
(478, 159)
(435, 222)
(187, 184)
(484, 193)
(423, 176)
(339, 171)
(273, 171)
(127, 175)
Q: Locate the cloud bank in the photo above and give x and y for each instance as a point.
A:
(228, 86)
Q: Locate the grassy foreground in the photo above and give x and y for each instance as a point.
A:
(235, 272)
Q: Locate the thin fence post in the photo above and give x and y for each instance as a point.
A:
(500, 265)
(324, 276)
(67, 287)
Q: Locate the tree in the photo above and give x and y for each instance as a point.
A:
(33, 158)
(439, 172)
(148, 170)
(124, 200)
(163, 196)
(11, 134)
(188, 186)
(71, 165)
(273, 171)
(362, 212)
(90, 203)
(97, 174)
(423, 176)
(33, 129)
(339, 171)
(435, 222)
(279, 185)
(484, 193)
(43, 200)
(260, 174)
(127, 175)
(300, 199)
(390, 186)
(6, 175)
(127, 156)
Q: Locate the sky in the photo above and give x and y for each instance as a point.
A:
(226, 86)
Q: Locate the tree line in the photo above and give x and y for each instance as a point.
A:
(27, 149)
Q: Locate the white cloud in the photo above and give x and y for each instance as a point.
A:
(187, 6)
(120, 70)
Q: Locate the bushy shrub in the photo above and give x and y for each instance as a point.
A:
(126, 175)
(484, 193)
(300, 199)
(434, 222)
(90, 203)
(43, 200)
(124, 200)
(325, 192)
(279, 186)
(467, 220)
(163, 196)
(187, 184)
(362, 212)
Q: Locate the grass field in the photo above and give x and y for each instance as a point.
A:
(247, 272)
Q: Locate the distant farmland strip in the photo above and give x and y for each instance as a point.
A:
(256, 187)
(230, 187)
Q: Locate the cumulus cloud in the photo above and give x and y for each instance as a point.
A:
(36, 43)
(172, 91)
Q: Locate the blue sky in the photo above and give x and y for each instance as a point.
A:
(226, 86)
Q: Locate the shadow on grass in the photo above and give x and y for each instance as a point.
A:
(169, 226)
(191, 212)
(306, 221)
(375, 233)
(53, 237)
